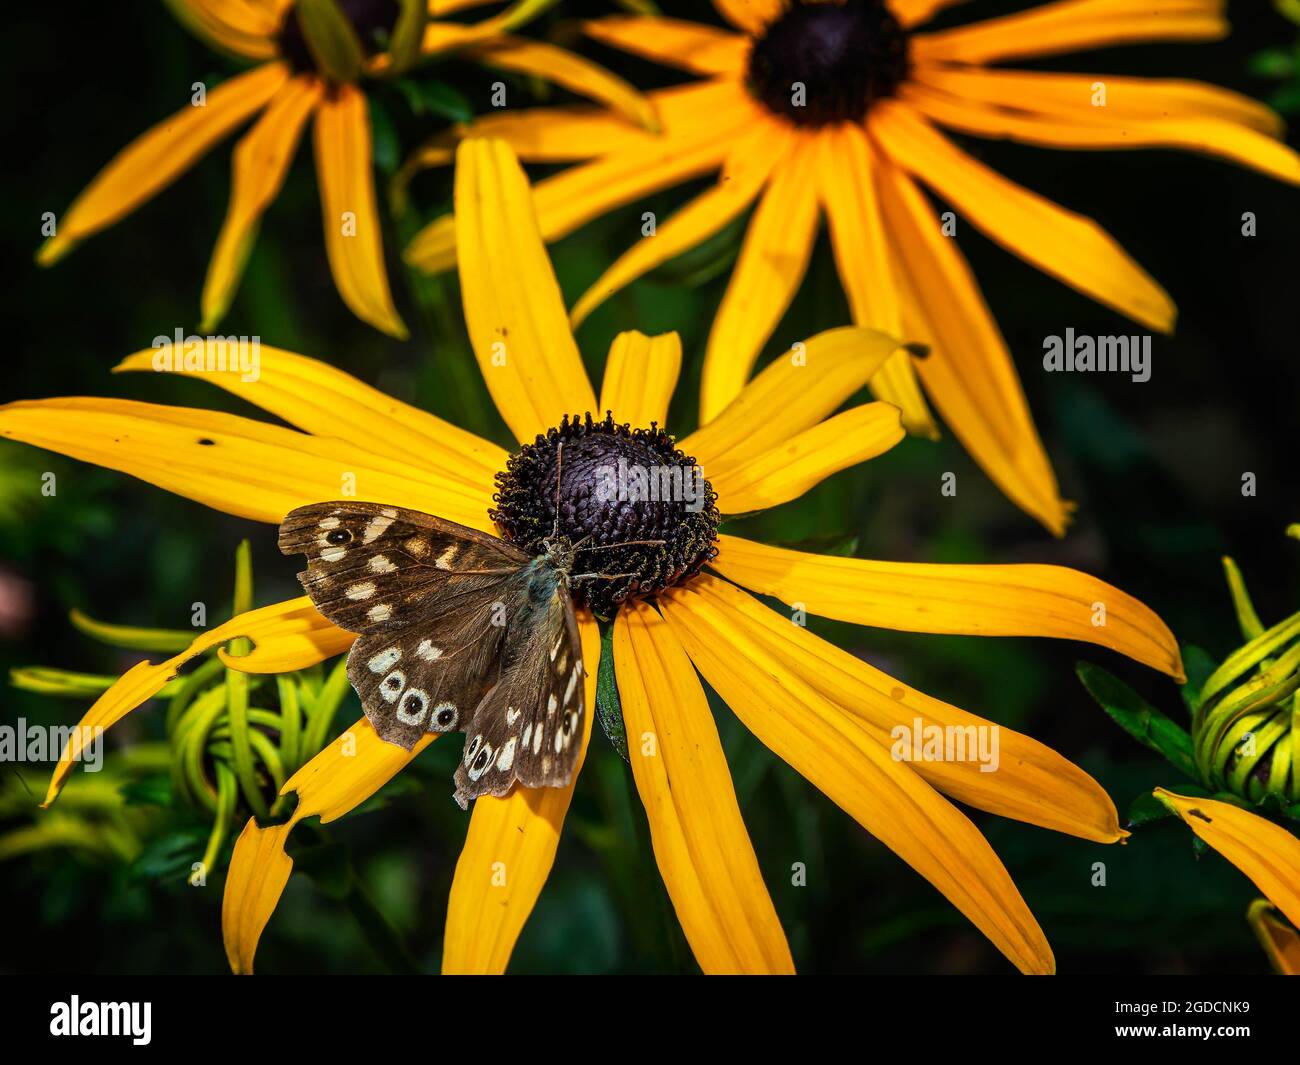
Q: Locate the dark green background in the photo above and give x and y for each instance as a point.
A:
(1156, 469)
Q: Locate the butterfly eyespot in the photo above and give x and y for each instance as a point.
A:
(568, 723)
(338, 536)
(481, 760)
(445, 716)
(412, 707)
(391, 686)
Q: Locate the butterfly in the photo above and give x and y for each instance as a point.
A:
(460, 631)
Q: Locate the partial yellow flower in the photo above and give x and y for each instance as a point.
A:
(314, 56)
(1266, 852)
(823, 108)
(824, 711)
(1281, 942)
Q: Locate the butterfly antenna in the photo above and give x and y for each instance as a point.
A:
(559, 465)
(623, 543)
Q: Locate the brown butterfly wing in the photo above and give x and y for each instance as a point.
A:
(528, 728)
(373, 568)
(430, 598)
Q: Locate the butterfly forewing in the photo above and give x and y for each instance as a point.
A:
(373, 567)
(529, 725)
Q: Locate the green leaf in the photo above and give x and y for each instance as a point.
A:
(436, 98)
(149, 791)
(67, 685)
(1199, 666)
(408, 34)
(171, 855)
(131, 637)
(385, 149)
(609, 709)
(1146, 808)
(330, 39)
(1139, 718)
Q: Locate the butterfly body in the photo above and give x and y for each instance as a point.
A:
(459, 631)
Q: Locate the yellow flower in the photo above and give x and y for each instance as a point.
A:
(1265, 852)
(312, 54)
(1281, 942)
(834, 108)
(828, 714)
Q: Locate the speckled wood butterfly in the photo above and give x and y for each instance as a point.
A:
(460, 632)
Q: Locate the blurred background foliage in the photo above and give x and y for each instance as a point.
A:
(1156, 469)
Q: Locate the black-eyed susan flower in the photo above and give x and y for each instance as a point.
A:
(313, 59)
(835, 108)
(1241, 754)
(825, 712)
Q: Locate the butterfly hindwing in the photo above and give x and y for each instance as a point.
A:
(430, 676)
(528, 727)
(379, 568)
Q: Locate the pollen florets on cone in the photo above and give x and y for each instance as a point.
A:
(824, 62)
(617, 487)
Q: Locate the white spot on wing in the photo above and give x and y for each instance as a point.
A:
(384, 660)
(361, 590)
(507, 756)
(332, 554)
(329, 523)
(380, 612)
(445, 559)
(380, 564)
(376, 527)
(428, 652)
(512, 715)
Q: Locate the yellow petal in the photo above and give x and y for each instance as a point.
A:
(914, 12)
(1071, 25)
(788, 470)
(885, 796)
(792, 394)
(699, 838)
(772, 262)
(859, 240)
(243, 467)
(640, 375)
(295, 636)
(1031, 783)
(690, 45)
(1264, 851)
(513, 308)
(747, 168)
(576, 196)
(969, 373)
(570, 70)
(1002, 600)
(1210, 136)
(318, 399)
(154, 160)
(752, 16)
(1070, 96)
(1280, 941)
(353, 236)
(1066, 245)
(344, 775)
(259, 870)
(261, 161)
(508, 855)
(243, 29)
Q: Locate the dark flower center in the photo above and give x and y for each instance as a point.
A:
(828, 61)
(617, 486)
(372, 21)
